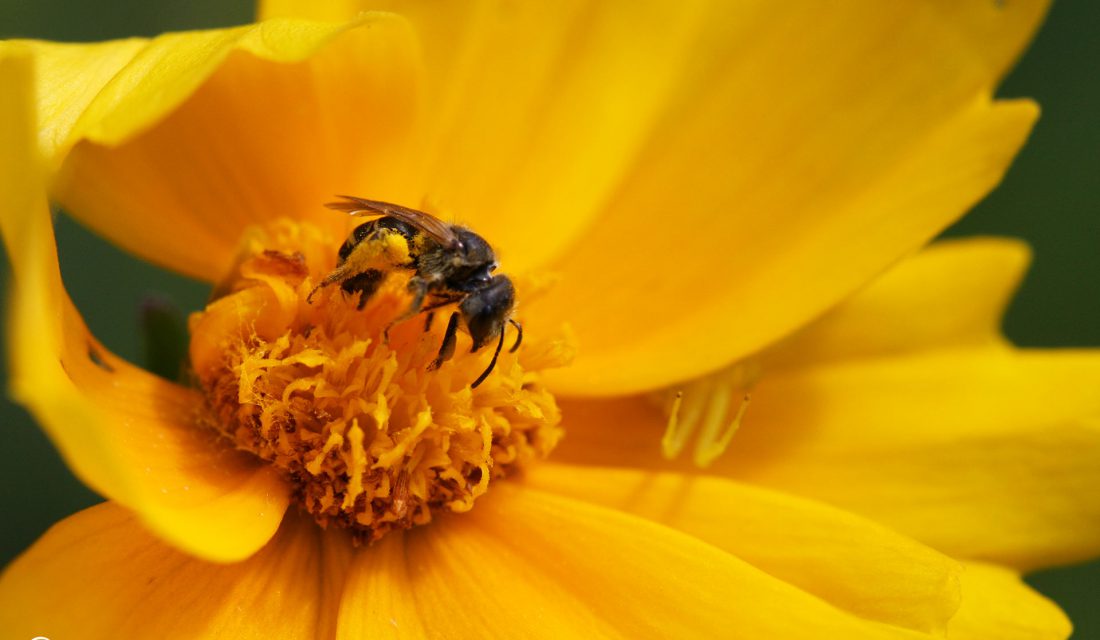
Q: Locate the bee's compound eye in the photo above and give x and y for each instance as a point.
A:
(482, 276)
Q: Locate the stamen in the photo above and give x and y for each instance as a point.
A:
(370, 434)
(672, 443)
(711, 444)
(704, 406)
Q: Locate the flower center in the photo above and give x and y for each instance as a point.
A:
(370, 434)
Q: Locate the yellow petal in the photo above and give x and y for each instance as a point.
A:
(130, 435)
(100, 575)
(538, 108)
(542, 136)
(529, 563)
(806, 151)
(68, 77)
(947, 296)
(997, 604)
(983, 453)
(951, 294)
(850, 562)
(201, 134)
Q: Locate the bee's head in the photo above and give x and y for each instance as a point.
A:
(486, 310)
(472, 263)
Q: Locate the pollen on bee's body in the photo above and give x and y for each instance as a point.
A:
(371, 437)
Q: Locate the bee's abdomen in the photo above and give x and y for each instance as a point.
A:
(374, 227)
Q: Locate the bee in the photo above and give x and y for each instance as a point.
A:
(450, 265)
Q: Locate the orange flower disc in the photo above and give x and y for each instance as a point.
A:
(369, 437)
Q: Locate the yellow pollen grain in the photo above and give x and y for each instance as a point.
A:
(368, 437)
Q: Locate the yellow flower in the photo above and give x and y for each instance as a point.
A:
(711, 188)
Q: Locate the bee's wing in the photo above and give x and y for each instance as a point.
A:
(429, 224)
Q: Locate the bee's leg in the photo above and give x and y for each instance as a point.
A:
(492, 363)
(441, 301)
(519, 335)
(447, 349)
(419, 289)
(365, 284)
(339, 274)
(430, 309)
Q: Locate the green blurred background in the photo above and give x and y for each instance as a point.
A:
(1051, 197)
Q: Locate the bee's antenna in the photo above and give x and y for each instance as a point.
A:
(492, 363)
(519, 336)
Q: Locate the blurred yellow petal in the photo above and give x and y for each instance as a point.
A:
(997, 604)
(907, 390)
(130, 435)
(776, 274)
(810, 149)
(586, 572)
(633, 100)
(982, 453)
(202, 133)
(850, 562)
(99, 575)
(951, 294)
(539, 109)
(621, 432)
(499, 129)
